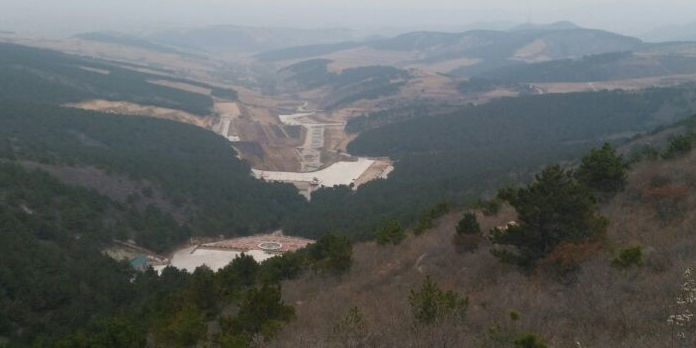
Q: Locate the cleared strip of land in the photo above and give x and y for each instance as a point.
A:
(127, 108)
(182, 86)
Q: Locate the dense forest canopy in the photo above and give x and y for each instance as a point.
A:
(57, 289)
(563, 119)
(51, 266)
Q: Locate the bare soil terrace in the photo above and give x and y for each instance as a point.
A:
(127, 108)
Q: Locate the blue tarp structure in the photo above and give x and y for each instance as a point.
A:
(140, 262)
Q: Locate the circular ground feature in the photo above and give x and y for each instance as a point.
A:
(270, 246)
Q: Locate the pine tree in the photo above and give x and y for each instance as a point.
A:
(529, 341)
(603, 170)
(468, 225)
(332, 253)
(551, 210)
(390, 233)
(262, 312)
(351, 330)
(186, 328)
(679, 145)
(246, 267)
(430, 304)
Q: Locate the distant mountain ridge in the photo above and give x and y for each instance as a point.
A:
(602, 67)
(487, 43)
(482, 50)
(471, 52)
(247, 39)
(560, 25)
(369, 82)
(650, 60)
(125, 40)
(224, 38)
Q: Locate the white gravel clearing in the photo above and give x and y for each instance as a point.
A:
(339, 173)
(189, 259)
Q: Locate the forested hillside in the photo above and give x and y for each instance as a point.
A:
(455, 156)
(568, 120)
(459, 155)
(61, 227)
(53, 276)
(605, 67)
(37, 75)
(126, 40)
(195, 168)
(59, 290)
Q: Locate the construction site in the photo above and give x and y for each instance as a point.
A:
(283, 138)
(305, 148)
(219, 253)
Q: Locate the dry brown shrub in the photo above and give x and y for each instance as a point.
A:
(466, 243)
(673, 192)
(666, 201)
(567, 258)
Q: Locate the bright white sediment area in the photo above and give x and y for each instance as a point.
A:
(193, 257)
(339, 173)
(295, 119)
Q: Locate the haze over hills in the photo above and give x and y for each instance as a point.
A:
(49, 76)
(233, 39)
(563, 45)
(125, 40)
(605, 67)
(473, 52)
(684, 32)
(528, 43)
(68, 18)
(523, 186)
(526, 59)
(560, 25)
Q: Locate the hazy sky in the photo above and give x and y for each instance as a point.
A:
(64, 17)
